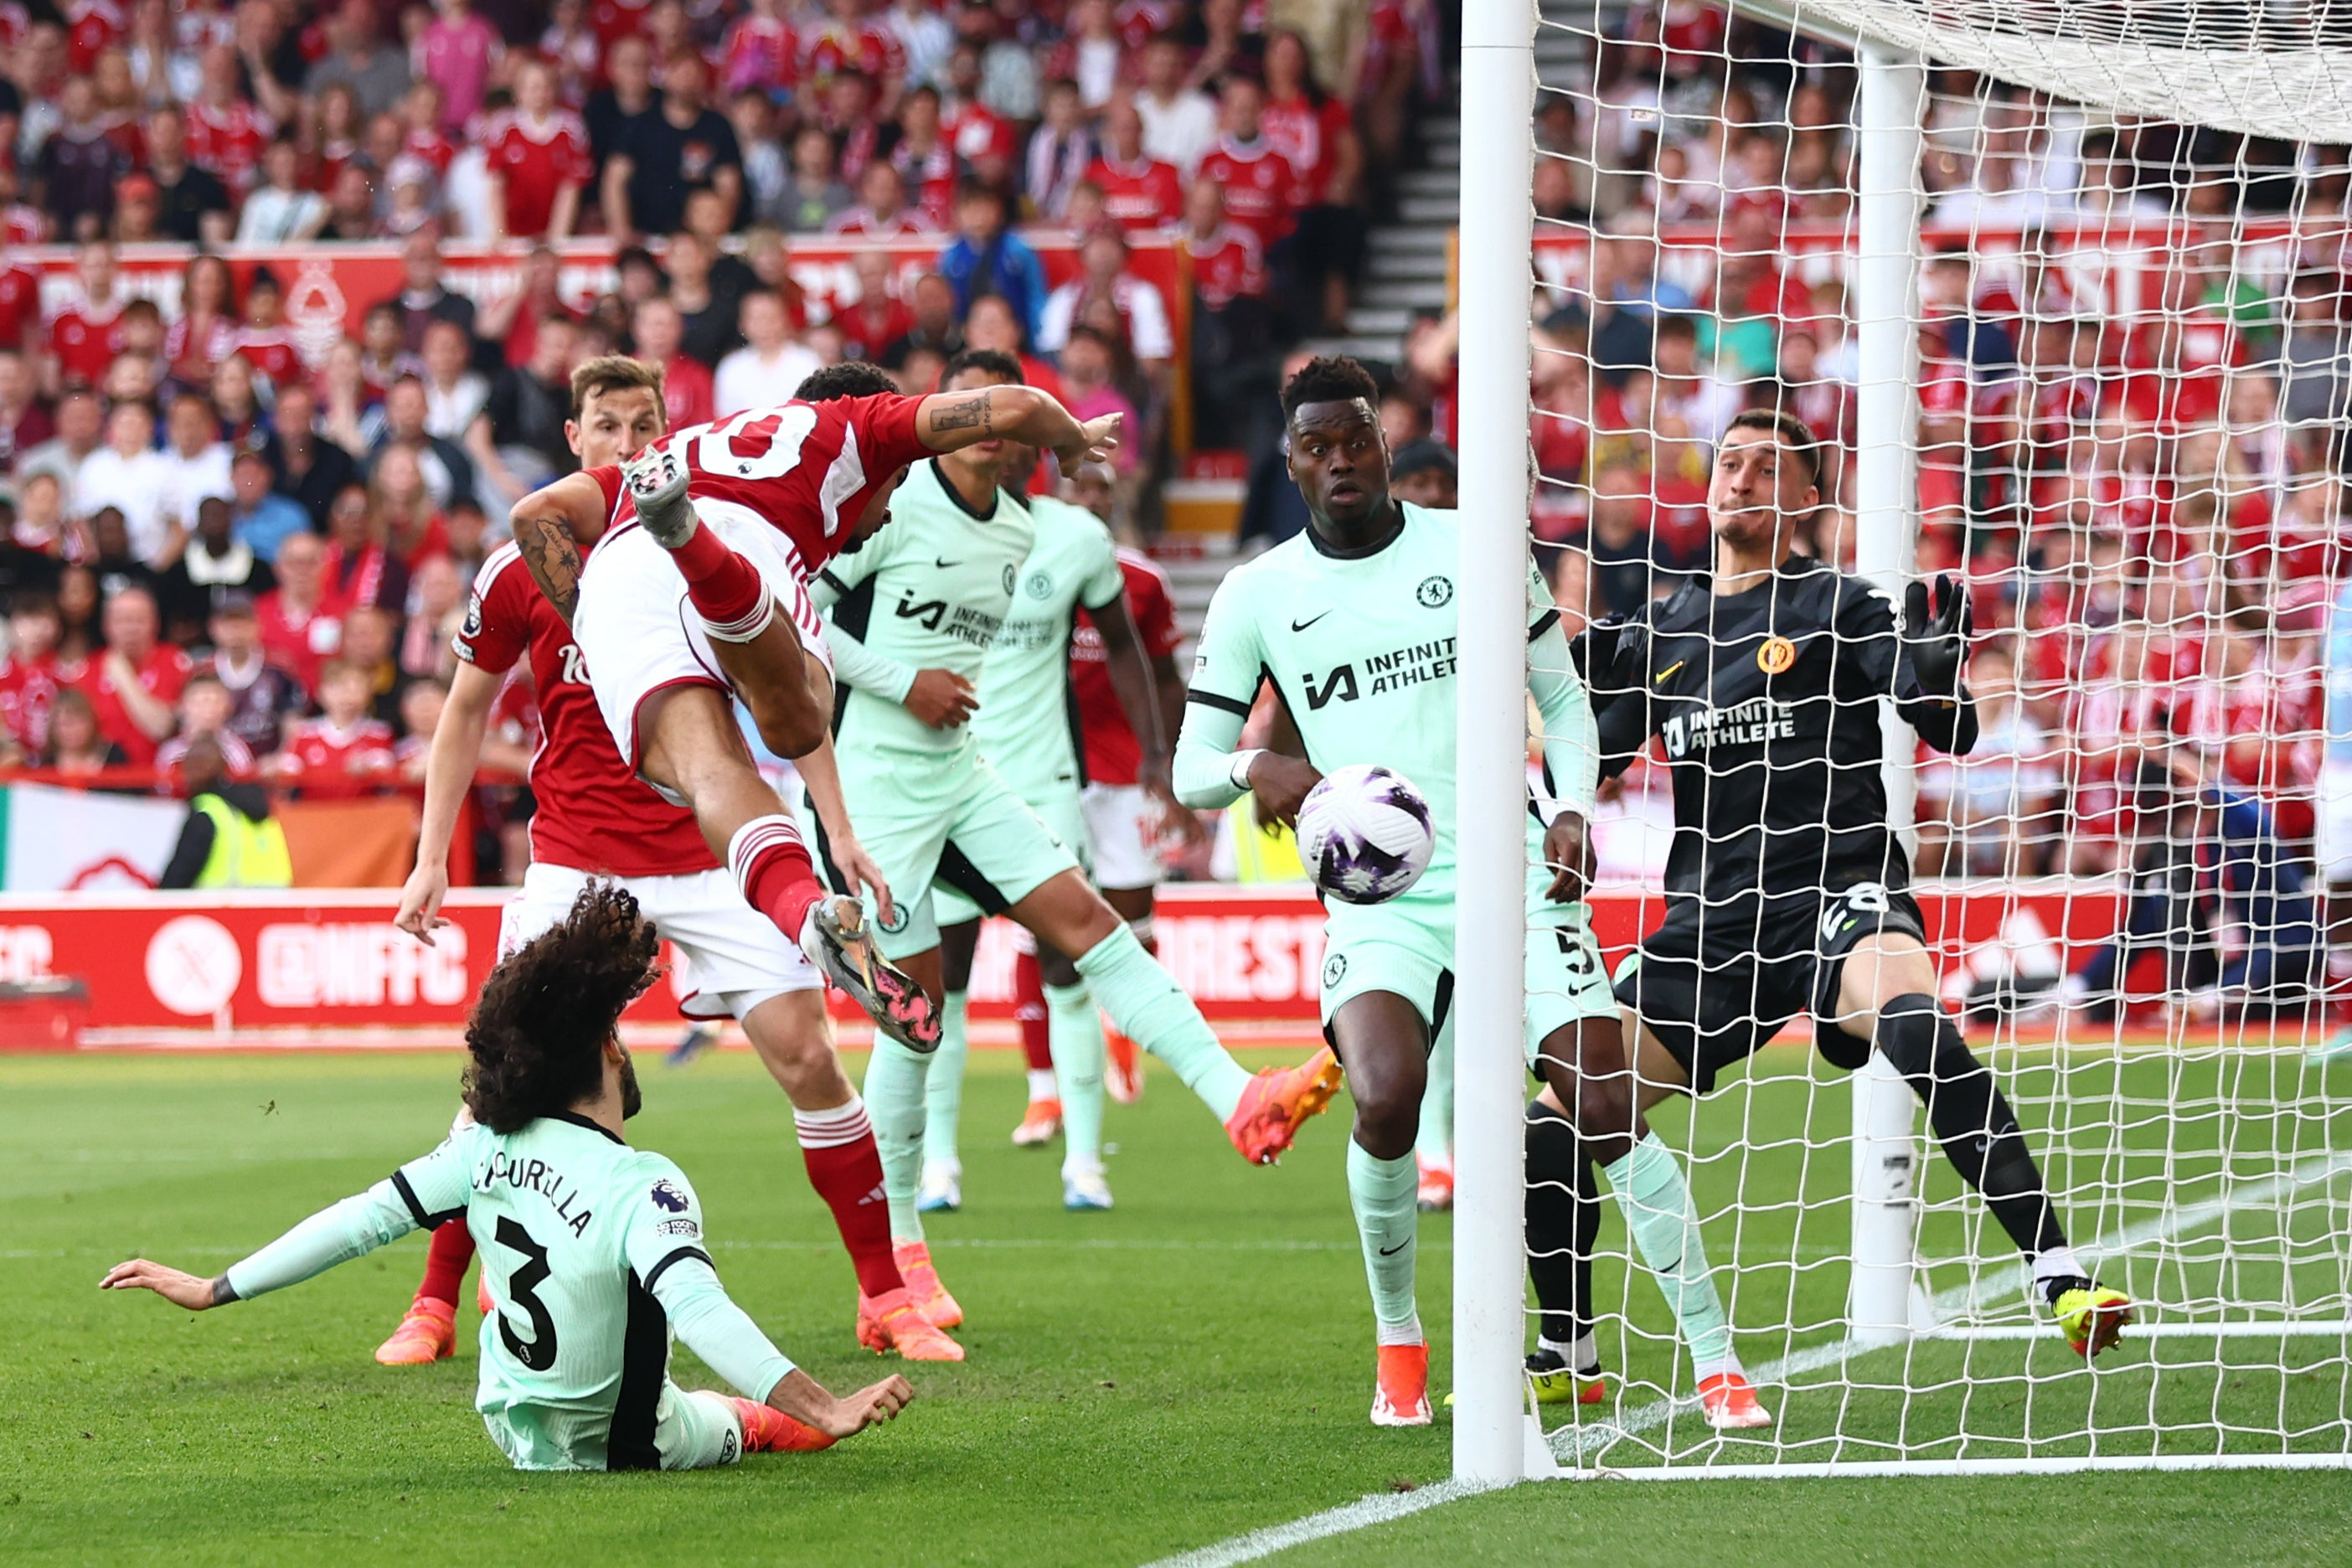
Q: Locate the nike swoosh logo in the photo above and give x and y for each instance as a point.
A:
(1392, 1251)
(943, 566)
(1667, 672)
(1302, 625)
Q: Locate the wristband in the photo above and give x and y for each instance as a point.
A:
(1237, 771)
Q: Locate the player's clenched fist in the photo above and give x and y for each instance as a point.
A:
(1568, 855)
(869, 1406)
(1280, 785)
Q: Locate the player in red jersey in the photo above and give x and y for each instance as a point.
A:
(595, 817)
(1124, 823)
(784, 491)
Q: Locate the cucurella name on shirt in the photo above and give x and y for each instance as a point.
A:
(538, 1176)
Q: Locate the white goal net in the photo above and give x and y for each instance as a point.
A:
(2060, 287)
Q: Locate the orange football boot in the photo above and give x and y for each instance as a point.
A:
(1730, 1403)
(426, 1334)
(768, 1430)
(891, 1321)
(1400, 1398)
(1122, 1068)
(1040, 1126)
(931, 1296)
(1277, 1101)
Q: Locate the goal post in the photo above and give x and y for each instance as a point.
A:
(2155, 531)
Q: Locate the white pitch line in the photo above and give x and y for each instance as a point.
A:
(1571, 1443)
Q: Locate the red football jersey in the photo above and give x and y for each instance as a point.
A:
(1112, 749)
(86, 342)
(616, 19)
(272, 352)
(1259, 183)
(1227, 266)
(165, 673)
(229, 142)
(300, 645)
(20, 305)
(331, 763)
(759, 53)
(1144, 194)
(27, 691)
(809, 469)
(593, 814)
(537, 161)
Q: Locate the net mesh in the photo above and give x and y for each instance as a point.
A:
(2130, 376)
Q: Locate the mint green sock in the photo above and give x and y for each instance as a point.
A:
(893, 1103)
(1388, 1225)
(1075, 1026)
(1151, 1009)
(943, 1091)
(1663, 1221)
(1434, 1143)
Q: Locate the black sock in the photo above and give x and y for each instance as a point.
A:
(1971, 1119)
(1563, 1224)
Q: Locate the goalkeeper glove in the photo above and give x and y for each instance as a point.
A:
(1937, 642)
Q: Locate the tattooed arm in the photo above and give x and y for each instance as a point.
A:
(550, 526)
(950, 420)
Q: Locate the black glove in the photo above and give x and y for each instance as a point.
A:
(1938, 643)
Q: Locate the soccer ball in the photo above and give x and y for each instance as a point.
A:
(1364, 833)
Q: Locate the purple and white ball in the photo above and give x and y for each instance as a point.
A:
(1364, 833)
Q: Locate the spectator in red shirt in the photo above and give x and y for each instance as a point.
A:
(1316, 136)
(881, 212)
(877, 318)
(538, 161)
(1260, 188)
(1138, 191)
(133, 685)
(687, 389)
(85, 337)
(343, 754)
(301, 628)
(28, 675)
(226, 133)
(263, 342)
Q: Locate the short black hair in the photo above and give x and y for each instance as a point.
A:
(1336, 379)
(537, 1033)
(1794, 433)
(1422, 456)
(850, 378)
(991, 362)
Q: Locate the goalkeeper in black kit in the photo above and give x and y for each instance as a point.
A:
(1785, 884)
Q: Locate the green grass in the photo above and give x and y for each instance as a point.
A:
(1191, 1366)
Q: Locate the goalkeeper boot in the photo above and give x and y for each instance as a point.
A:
(657, 483)
(891, 1321)
(2090, 1315)
(1083, 1187)
(942, 1188)
(1122, 1068)
(427, 1333)
(1400, 1397)
(835, 939)
(1040, 1126)
(768, 1430)
(1729, 1402)
(1557, 1383)
(1277, 1101)
(1436, 1191)
(915, 1267)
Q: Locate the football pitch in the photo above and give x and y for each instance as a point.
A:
(1189, 1368)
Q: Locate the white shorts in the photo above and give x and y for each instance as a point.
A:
(731, 957)
(1123, 826)
(2336, 822)
(638, 633)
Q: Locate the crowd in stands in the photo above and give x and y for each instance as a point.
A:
(214, 527)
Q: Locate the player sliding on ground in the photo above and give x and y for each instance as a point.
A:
(1023, 725)
(598, 1247)
(929, 595)
(1354, 624)
(1785, 883)
(595, 817)
(743, 511)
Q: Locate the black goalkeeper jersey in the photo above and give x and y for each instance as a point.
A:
(1767, 701)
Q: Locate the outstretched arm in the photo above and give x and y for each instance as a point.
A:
(550, 526)
(449, 764)
(949, 421)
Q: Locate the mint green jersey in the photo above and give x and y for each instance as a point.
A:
(592, 1251)
(1026, 724)
(1362, 652)
(930, 590)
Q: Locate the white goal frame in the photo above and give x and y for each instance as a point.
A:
(1497, 1439)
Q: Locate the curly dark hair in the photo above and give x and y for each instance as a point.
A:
(539, 1027)
(850, 378)
(1333, 380)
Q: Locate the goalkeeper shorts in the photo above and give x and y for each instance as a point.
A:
(1715, 984)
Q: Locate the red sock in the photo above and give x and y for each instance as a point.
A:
(774, 869)
(845, 1166)
(1029, 1012)
(446, 1261)
(726, 589)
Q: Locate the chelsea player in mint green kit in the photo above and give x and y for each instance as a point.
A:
(913, 613)
(1026, 726)
(593, 1251)
(1353, 621)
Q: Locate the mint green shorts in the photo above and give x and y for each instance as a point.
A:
(692, 1431)
(1063, 818)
